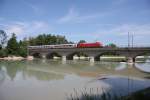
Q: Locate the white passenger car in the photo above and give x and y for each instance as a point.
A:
(55, 46)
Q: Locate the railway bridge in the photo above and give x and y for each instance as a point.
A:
(93, 53)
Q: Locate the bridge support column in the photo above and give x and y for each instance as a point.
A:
(43, 56)
(92, 59)
(64, 58)
(130, 60)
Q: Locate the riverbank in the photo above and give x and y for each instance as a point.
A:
(102, 58)
(16, 58)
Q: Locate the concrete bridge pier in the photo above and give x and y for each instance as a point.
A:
(64, 58)
(43, 56)
(93, 56)
(92, 59)
(130, 59)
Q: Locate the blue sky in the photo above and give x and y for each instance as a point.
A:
(108, 21)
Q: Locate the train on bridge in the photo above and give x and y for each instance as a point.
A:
(79, 45)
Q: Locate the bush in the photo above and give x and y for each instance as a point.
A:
(3, 53)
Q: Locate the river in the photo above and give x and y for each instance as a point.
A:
(56, 80)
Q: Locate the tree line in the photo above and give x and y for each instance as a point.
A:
(13, 47)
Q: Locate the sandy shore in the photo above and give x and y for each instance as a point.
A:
(16, 58)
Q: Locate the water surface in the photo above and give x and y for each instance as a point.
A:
(55, 80)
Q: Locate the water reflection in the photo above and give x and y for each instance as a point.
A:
(38, 80)
(2, 74)
(122, 66)
(122, 85)
(144, 67)
(49, 70)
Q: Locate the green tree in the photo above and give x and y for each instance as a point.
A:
(23, 48)
(61, 39)
(3, 52)
(112, 45)
(3, 38)
(12, 45)
(0, 47)
(48, 39)
(82, 41)
(32, 41)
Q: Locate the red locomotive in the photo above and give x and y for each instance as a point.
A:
(89, 45)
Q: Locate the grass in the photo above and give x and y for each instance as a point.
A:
(139, 95)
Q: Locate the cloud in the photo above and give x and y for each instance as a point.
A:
(26, 29)
(119, 34)
(40, 24)
(72, 14)
(15, 29)
(34, 7)
(75, 17)
(125, 28)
